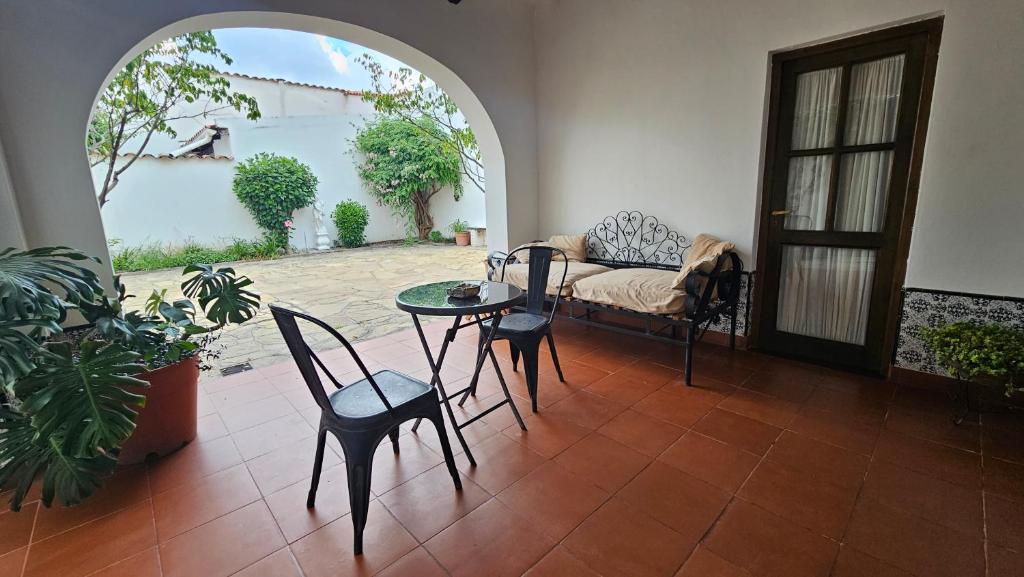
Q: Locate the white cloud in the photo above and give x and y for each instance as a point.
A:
(338, 60)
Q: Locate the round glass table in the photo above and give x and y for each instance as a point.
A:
(432, 300)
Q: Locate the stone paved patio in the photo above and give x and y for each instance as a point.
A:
(353, 290)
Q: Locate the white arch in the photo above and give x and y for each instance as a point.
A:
(471, 107)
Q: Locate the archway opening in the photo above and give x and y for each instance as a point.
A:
(190, 173)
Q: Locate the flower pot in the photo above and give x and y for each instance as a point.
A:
(462, 238)
(168, 421)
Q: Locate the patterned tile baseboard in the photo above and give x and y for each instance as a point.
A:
(930, 308)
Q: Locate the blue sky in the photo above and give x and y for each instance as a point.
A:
(298, 56)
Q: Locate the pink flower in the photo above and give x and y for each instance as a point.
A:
(288, 224)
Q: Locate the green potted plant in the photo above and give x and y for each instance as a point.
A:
(75, 403)
(988, 354)
(460, 229)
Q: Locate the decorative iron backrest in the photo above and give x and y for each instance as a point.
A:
(632, 239)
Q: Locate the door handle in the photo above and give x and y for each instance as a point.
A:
(780, 212)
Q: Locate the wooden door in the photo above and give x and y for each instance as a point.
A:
(845, 135)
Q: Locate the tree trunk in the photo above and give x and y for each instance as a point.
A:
(424, 222)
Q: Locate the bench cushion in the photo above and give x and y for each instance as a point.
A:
(519, 275)
(644, 290)
(702, 256)
(574, 246)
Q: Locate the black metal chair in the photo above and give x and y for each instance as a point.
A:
(360, 414)
(525, 330)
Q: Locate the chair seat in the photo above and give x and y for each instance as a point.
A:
(359, 400)
(519, 323)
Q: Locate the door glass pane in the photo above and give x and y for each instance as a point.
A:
(807, 192)
(824, 292)
(863, 191)
(874, 100)
(817, 103)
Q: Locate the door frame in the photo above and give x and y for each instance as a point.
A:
(932, 27)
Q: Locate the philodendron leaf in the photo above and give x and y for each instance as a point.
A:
(24, 457)
(18, 349)
(83, 400)
(44, 282)
(221, 294)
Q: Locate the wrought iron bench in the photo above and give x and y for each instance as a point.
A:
(632, 240)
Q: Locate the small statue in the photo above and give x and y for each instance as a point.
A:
(323, 242)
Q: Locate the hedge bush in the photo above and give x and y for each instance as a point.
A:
(272, 188)
(351, 218)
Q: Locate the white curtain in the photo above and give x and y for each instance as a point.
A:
(825, 292)
(874, 100)
(863, 191)
(817, 103)
(871, 118)
(807, 192)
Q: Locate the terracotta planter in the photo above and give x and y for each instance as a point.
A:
(462, 238)
(168, 421)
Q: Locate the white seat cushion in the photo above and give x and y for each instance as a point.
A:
(644, 290)
(519, 275)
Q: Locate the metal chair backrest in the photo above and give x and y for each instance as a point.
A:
(540, 265)
(305, 357)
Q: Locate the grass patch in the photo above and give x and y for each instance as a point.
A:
(155, 256)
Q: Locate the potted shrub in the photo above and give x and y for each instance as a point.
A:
(988, 354)
(460, 229)
(76, 403)
(351, 219)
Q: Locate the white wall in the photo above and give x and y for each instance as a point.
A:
(55, 57)
(658, 106)
(170, 202)
(207, 211)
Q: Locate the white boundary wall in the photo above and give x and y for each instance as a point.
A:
(170, 201)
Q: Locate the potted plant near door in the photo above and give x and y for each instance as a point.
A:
(986, 354)
(74, 404)
(460, 229)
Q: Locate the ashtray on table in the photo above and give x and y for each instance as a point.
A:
(464, 291)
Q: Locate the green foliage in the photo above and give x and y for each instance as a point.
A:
(165, 332)
(72, 413)
(272, 188)
(970, 350)
(458, 225)
(351, 219)
(411, 96)
(221, 294)
(148, 93)
(403, 167)
(436, 236)
(81, 396)
(66, 404)
(36, 288)
(156, 256)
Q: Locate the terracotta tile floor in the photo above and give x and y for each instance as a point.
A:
(765, 467)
